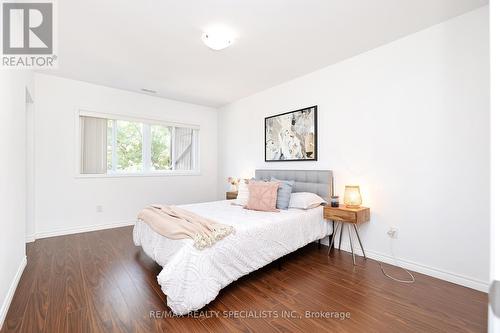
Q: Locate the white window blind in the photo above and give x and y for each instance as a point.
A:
(183, 138)
(93, 145)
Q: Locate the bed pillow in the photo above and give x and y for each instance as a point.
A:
(262, 196)
(284, 192)
(243, 193)
(305, 200)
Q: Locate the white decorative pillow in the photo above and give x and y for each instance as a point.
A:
(305, 200)
(243, 193)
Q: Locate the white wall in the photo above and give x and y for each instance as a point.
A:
(12, 182)
(64, 203)
(30, 167)
(408, 122)
(494, 322)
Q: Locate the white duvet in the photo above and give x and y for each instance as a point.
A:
(192, 278)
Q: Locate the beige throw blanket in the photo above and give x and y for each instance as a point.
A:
(176, 223)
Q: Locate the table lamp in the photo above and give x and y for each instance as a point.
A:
(352, 196)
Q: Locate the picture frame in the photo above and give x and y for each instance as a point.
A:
(292, 136)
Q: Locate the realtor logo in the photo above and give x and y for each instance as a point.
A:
(28, 34)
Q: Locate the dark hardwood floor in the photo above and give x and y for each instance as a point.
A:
(100, 282)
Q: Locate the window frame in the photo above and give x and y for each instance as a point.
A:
(146, 146)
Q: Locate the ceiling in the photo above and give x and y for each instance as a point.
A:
(156, 44)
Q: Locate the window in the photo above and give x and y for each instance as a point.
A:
(161, 147)
(123, 146)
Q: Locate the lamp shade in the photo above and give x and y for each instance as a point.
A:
(352, 196)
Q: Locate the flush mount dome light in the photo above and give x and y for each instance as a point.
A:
(217, 40)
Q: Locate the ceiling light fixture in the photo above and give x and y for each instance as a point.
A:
(217, 39)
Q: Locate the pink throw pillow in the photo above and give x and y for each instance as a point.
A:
(263, 196)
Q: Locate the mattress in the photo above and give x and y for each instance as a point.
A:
(192, 278)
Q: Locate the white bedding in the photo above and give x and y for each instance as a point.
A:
(192, 278)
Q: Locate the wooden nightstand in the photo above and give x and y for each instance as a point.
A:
(231, 195)
(351, 216)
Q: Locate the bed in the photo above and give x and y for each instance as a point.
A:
(192, 278)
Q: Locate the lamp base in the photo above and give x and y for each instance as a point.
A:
(352, 206)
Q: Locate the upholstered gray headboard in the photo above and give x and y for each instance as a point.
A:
(315, 181)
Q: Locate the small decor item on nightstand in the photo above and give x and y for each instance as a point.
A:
(234, 183)
(335, 201)
(352, 196)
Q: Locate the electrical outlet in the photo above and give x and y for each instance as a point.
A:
(393, 232)
(98, 209)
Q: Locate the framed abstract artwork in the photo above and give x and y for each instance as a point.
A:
(292, 136)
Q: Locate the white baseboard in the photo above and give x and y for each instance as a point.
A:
(80, 229)
(30, 238)
(12, 291)
(423, 269)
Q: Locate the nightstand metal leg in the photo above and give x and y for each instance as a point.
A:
(359, 240)
(341, 230)
(330, 238)
(332, 242)
(350, 243)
